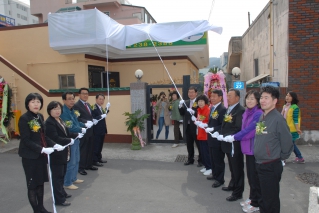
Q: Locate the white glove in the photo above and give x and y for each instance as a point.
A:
(209, 129)
(215, 134)
(80, 135)
(204, 125)
(95, 121)
(181, 103)
(47, 150)
(89, 124)
(197, 123)
(83, 130)
(108, 105)
(283, 163)
(103, 115)
(58, 147)
(220, 137)
(190, 111)
(72, 141)
(193, 118)
(229, 138)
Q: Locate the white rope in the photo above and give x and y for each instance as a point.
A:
(107, 74)
(50, 174)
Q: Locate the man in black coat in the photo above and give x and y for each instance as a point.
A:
(86, 143)
(215, 121)
(231, 125)
(189, 126)
(99, 129)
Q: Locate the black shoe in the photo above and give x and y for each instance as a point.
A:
(66, 203)
(217, 184)
(97, 164)
(199, 164)
(233, 198)
(227, 189)
(82, 172)
(93, 168)
(210, 178)
(102, 161)
(68, 196)
(188, 163)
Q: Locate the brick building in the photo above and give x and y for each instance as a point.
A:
(282, 45)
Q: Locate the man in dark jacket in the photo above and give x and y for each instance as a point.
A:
(99, 130)
(86, 143)
(231, 125)
(189, 126)
(273, 144)
(215, 121)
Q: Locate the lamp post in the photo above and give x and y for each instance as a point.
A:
(236, 72)
(138, 75)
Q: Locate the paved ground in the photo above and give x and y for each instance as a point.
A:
(147, 181)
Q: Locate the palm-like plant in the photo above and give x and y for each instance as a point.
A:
(135, 124)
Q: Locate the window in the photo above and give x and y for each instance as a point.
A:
(18, 15)
(146, 18)
(9, 12)
(138, 15)
(107, 13)
(24, 17)
(66, 81)
(256, 67)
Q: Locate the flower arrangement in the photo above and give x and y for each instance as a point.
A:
(195, 104)
(5, 90)
(215, 115)
(92, 106)
(68, 124)
(228, 118)
(201, 117)
(77, 113)
(215, 80)
(170, 107)
(103, 110)
(260, 128)
(34, 125)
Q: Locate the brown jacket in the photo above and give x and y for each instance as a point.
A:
(167, 119)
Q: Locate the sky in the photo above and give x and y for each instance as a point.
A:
(232, 15)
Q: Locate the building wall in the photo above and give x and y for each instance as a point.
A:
(256, 44)
(303, 75)
(19, 11)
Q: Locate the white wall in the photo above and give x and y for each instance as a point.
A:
(256, 44)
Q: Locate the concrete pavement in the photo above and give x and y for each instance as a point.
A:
(148, 180)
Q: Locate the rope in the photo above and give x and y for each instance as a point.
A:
(50, 174)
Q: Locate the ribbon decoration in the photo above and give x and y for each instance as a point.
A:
(4, 112)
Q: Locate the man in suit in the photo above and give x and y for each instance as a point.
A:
(189, 126)
(86, 143)
(215, 121)
(99, 130)
(230, 126)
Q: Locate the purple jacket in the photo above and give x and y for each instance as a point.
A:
(248, 130)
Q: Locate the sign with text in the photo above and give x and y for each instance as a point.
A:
(239, 85)
(6, 21)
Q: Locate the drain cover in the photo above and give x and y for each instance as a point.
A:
(183, 158)
(309, 178)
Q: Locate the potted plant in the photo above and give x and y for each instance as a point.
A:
(135, 124)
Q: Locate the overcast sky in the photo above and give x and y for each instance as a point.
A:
(232, 15)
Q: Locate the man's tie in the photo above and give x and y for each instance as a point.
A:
(87, 108)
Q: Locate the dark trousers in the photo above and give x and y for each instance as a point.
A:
(177, 132)
(86, 152)
(191, 137)
(218, 164)
(203, 145)
(236, 167)
(98, 146)
(58, 173)
(254, 194)
(269, 177)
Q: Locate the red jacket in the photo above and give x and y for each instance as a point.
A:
(202, 115)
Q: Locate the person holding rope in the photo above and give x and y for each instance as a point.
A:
(69, 117)
(56, 130)
(99, 129)
(33, 148)
(187, 109)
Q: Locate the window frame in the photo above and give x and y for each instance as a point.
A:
(67, 81)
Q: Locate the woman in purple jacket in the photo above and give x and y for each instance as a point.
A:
(246, 137)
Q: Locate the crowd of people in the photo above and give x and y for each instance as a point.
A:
(257, 131)
(72, 136)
